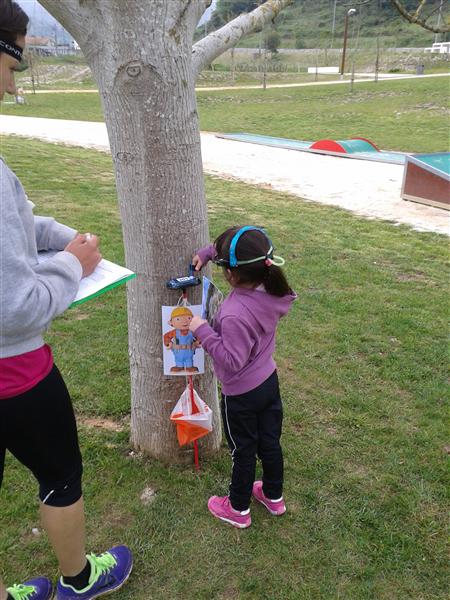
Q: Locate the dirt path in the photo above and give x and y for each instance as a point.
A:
(366, 188)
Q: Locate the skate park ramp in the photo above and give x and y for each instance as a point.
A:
(360, 148)
(427, 179)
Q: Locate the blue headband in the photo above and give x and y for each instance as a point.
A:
(234, 262)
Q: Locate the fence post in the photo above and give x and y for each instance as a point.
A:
(377, 60)
(352, 80)
(232, 66)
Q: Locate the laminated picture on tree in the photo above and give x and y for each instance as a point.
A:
(182, 351)
(212, 298)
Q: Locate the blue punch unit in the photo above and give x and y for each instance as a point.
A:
(180, 283)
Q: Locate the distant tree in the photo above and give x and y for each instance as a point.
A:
(422, 13)
(299, 37)
(228, 9)
(272, 41)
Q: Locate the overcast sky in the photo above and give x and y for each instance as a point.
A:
(34, 10)
(208, 12)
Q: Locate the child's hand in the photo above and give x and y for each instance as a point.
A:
(195, 323)
(196, 261)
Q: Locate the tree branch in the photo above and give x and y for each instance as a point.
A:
(419, 8)
(217, 42)
(415, 18)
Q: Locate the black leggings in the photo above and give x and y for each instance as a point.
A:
(252, 423)
(39, 429)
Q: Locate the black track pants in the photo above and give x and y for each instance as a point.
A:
(252, 423)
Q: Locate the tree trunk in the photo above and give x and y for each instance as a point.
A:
(148, 92)
(141, 55)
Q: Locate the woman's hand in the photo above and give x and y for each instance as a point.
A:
(197, 262)
(195, 323)
(85, 248)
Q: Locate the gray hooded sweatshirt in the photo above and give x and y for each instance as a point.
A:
(31, 294)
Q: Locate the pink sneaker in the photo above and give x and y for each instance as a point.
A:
(277, 507)
(220, 507)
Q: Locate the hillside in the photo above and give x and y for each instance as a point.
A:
(309, 24)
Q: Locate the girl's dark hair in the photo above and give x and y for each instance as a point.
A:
(250, 245)
(13, 21)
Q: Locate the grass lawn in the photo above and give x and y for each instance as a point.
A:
(362, 360)
(397, 115)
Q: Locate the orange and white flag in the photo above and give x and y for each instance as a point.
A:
(192, 416)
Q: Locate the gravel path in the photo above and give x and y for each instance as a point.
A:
(366, 188)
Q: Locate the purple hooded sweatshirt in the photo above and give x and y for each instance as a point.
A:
(242, 341)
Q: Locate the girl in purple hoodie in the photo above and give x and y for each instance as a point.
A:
(241, 343)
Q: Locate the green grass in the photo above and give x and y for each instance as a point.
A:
(78, 106)
(362, 362)
(396, 115)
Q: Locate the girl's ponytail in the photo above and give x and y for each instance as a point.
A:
(275, 281)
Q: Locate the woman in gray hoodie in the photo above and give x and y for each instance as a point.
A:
(37, 423)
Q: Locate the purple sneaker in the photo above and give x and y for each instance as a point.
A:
(109, 571)
(220, 507)
(275, 507)
(39, 588)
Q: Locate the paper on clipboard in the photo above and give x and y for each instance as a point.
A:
(106, 276)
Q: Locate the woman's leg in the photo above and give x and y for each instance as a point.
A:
(41, 432)
(42, 435)
(65, 528)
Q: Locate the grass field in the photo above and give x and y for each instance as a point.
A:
(397, 115)
(362, 360)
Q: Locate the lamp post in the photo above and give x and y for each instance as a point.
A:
(350, 13)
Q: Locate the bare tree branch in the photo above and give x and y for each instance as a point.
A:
(414, 18)
(419, 8)
(213, 45)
